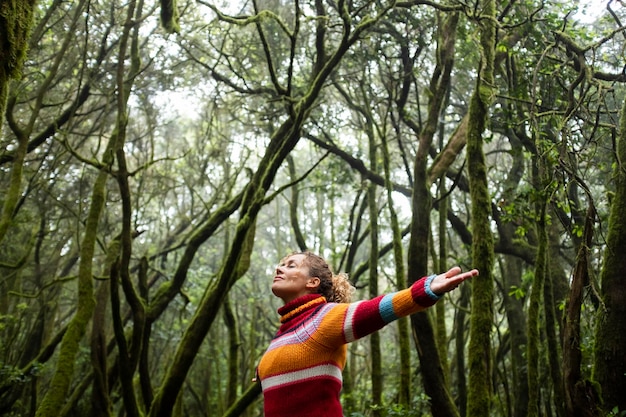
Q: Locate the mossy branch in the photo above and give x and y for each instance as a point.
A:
(170, 18)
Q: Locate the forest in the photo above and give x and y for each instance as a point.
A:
(158, 159)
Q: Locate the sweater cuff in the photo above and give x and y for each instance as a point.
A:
(422, 293)
(429, 291)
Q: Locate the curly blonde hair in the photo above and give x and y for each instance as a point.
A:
(336, 288)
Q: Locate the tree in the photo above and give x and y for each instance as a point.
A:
(16, 19)
(434, 381)
(480, 365)
(610, 348)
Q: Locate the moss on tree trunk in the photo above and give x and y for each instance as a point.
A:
(481, 321)
(434, 380)
(59, 386)
(16, 19)
(534, 310)
(376, 352)
(610, 347)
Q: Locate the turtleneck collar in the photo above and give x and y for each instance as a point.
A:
(301, 304)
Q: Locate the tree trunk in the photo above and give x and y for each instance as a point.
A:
(514, 308)
(442, 265)
(404, 340)
(580, 396)
(481, 320)
(610, 346)
(244, 401)
(534, 310)
(16, 20)
(435, 384)
(423, 332)
(100, 401)
(293, 207)
(234, 343)
(552, 327)
(432, 374)
(375, 353)
(459, 342)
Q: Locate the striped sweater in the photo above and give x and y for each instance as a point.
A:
(301, 371)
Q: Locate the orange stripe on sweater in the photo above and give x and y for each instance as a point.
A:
(403, 304)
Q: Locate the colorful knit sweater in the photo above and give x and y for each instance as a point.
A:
(301, 371)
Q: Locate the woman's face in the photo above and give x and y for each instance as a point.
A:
(292, 279)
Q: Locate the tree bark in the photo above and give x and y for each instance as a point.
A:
(435, 384)
(100, 401)
(234, 343)
(459, 341)
(552, 327)
(516, 318)
(580, 396)
(375, 350)
(534, 310)
(16, 21)
(293, 207)
(244, 401)
(610, 347)
(481, 320)
(404, 341)
(433, 377)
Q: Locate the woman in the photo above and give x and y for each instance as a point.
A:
(300, 372)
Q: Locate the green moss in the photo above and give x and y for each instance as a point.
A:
(16, 20)
(169, 16)
(610, 346)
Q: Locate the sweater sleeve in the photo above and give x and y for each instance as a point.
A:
(349, 322)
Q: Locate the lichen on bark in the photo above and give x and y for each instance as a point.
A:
(610, 346)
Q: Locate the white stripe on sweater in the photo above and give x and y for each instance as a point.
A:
(326, 370)
(348, 329)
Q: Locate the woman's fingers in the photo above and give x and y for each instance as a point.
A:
(450, 280)
(455, 270)
(468, 274)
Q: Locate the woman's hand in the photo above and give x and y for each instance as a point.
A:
(448, 281)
